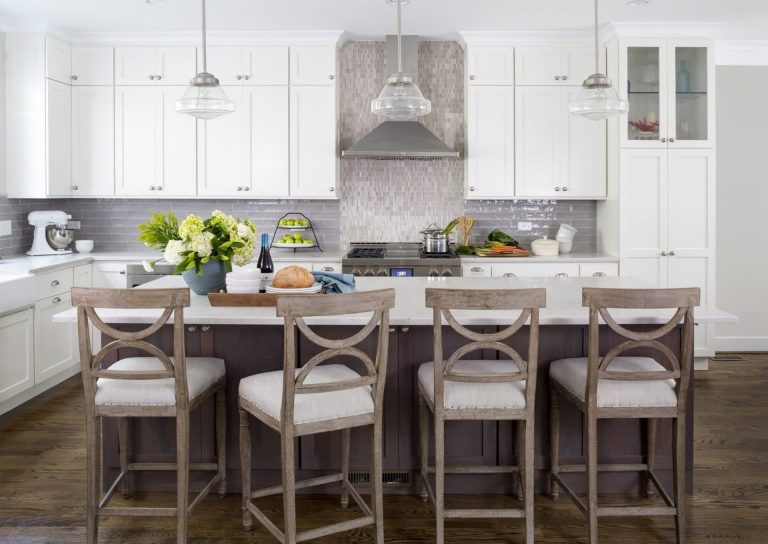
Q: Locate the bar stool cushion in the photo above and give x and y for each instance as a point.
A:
(572, 375)
(466, 395)
(202, 373)
(265, 391)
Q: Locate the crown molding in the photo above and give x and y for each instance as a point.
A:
(741, 52)
(523, 37)
(660, 30)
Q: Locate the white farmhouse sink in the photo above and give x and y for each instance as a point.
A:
(16, 291)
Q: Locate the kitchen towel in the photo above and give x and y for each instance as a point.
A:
(334, 282)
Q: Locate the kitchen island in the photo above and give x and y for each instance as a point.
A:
(250, 341)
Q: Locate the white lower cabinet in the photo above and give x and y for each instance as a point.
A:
(110, 275)
(56, 349)
(17, 362)
(535, 270)
(598, 270)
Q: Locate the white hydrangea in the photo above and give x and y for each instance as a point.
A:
(149, 266)
(243, 231)
(201, 244)
(173, 251)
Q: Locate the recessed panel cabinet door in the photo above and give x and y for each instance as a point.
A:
(268, 65)
(135, 66)
(490, 141)
(56, 349)
(313, 65)
(177, 174)
(175, 65)
(538, 65)
(538, 141)
(93, 141)
(313, 141)
(267, 118)
(58, 60)
(226, 63)
(93, 65)
(583, 158)
(17, 363)
(491, 65)
(59, 139)
(136, 146)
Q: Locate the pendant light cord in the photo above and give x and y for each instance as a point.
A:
(205, 54)
(597, 43)
(399, 38)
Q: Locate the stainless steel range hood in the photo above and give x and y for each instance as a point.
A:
(401, 140)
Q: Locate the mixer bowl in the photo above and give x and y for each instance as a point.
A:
(59, 237)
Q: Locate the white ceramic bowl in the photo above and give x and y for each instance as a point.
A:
(238, 289)
(84, 246)
(565, 247)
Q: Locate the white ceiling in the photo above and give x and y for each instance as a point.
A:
(743, 19)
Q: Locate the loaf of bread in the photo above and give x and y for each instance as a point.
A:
(293, 277)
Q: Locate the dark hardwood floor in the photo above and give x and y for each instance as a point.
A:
(42, 483)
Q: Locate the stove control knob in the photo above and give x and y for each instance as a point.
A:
(356, 272)
(433, 273)
(369, 272)
(447, 273)
(382, 272)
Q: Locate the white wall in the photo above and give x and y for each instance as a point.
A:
(742, 206)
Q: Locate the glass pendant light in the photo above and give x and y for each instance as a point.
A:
(204, 98)
(597, 99)
(401, 99)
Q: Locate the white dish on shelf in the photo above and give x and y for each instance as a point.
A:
(293, 229)
(291, 246)
(316, 288)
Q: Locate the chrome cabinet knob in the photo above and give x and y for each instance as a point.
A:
(205, 328)
(509, 275)
(471, 78)
(663, 253)
(557, 188)
(151, 77)
(74, 78)
(565, 188)
(246, 78)
(122, 272)
(369, 273)
(331, 77)
(56, 300)
(158, 78)
(151, 187)
(328, 269)
(565, 78)
(471, 188)
(54, 283)
(239, 188)
(75, 187)
(331, 189)
(192, 328)
(557, 78)
(671, 140)
(598, 275)
(405, 329)
(239, 77)
(671, 253)
(663, 140)
(246, 188)
(392, 330)
(159, 188)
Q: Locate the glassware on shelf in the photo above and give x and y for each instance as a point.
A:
(683, 78)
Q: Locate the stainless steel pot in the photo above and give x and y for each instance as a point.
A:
(434, 240)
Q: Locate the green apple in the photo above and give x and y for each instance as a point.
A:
(297, 236)
(308, 242)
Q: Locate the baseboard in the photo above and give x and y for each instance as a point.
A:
(741, 343)
(37, 389)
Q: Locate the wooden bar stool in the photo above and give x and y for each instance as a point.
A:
(316, 399)
(610, 386)
(459, 389)
(156, 386)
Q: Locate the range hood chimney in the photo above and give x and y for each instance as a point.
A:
(401, 140)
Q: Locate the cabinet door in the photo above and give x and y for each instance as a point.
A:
(691, 100)
(136, 146)
(57, 349)
(59, 139)
(267, 118)
(82, 276)
(93, 141)
(583, 157)
(222, 151)
(644, 215)
(93, 65)
(17, 363)
(313, 142)
(643, 77)
(538, 141)
(535, 270)
(175, 65)
(490, 141)
(491, 65)
(313, 65)
(578, 63)
(226, 63)
(269, 66)
(109, 275)
(538, 65)
(135, 66)
(58, 60)
(177, 138)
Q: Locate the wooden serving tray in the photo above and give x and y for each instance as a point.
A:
(246, 300)
(481, 253)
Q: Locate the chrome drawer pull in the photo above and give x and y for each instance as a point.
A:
(475, 269)
(510, 275)
(54, 283)
(56, 300)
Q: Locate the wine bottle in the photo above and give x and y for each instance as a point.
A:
(265, 264)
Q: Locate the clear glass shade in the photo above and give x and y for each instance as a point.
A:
(597, 102)
(205, 102)
(401, 100)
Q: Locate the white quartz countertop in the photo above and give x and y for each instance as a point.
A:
(565, 258)
(563, 304)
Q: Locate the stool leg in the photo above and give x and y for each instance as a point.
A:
(592, 477)
(424, 445)
(377, 484)
(345, 436)
(679, 476)
(529, 492)
(520, 439)
(182, 475)
(221, 440)
(650, 489)
(124, 448)
(554, 441)
(245, 468)
(440, 479)
(289, 484)
(93, 454)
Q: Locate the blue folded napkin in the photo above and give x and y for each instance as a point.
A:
(334, 282)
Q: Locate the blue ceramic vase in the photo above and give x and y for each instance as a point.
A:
(213, 278)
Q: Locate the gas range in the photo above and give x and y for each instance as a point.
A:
(398, 260)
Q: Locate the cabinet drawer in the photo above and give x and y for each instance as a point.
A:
(326, 267)
(599, 269)
(476, 270)
(539, 270)
(53, 283)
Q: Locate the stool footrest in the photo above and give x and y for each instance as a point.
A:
(615, 467)
(627, 511)
(334, 528)
(477, 470)
(472, 513)
(303, 484)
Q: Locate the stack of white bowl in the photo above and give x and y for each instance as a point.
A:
(565, 236)
(244, 281)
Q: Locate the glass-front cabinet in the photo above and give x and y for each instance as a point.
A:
(669, 85)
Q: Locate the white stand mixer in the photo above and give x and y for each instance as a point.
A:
(51, 234)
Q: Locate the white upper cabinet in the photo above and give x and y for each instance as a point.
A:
(93, 65)
(555, 65)
(268, 123)
(313, 142)
(155, 65)
(491, 65)
(315, 65)
(248, 65)
(583, 153)
(93, 140)
(177, 140)
(58, 60)
(490, 166)
(59, 139)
